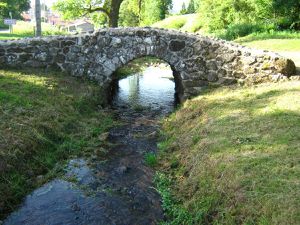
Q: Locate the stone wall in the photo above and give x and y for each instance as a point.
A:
(197, 61)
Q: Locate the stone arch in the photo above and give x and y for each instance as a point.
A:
(118, 49)
(196, 60)
(179, 90)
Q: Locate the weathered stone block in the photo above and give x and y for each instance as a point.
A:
(25, 57)
(60, 58)
(212, 65)
(227, 81)
(212, 76)
(248, 60)
(285, 66)
(194, 83)
(66, 43)
(176, 45)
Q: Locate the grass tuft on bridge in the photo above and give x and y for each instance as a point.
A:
(45, 118)
(231, 156)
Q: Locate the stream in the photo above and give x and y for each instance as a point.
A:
(117, 189)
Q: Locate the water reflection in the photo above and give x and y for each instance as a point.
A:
(152, 89)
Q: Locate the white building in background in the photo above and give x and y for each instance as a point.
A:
(80, 26)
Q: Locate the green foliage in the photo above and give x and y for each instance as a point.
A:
(217, 14)
(16, 7)
(237, 30)
(183, 9)
(288, 11)
(102, 12)
(221, 14)
(175, 213)
(150, 159)
(191, 7)
(71, 9)
(154, 10)
(129, 13)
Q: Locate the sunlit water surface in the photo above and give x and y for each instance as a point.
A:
(152, 89)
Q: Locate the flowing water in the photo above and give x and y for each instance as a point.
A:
(117, 188)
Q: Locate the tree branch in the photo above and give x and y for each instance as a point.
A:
(97, 9)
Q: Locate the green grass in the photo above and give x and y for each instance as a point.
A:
(45, 118)
(189, 23)
(150, 159)
(26, 29)
(270, 35)
(275, 44)
(237, 154)
(5, 36)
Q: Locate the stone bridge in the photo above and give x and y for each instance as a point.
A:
(197, 61)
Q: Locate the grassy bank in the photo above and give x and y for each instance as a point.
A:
(26, 29)
(231, 156)
(275, 44)
(189, 23)
(44, 120)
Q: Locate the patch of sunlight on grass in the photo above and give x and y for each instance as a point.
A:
(42, 81)
(275, 44)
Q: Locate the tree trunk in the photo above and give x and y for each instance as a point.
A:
(140, 11)
(114, 13)
(38, 25)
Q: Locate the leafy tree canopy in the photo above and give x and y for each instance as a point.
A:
(219, 14)
(183, 9)
(71, 9)
(16, 7)
(191, 7)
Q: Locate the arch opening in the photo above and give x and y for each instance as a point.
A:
(146, 82)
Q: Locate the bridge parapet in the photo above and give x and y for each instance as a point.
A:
(197, 61)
